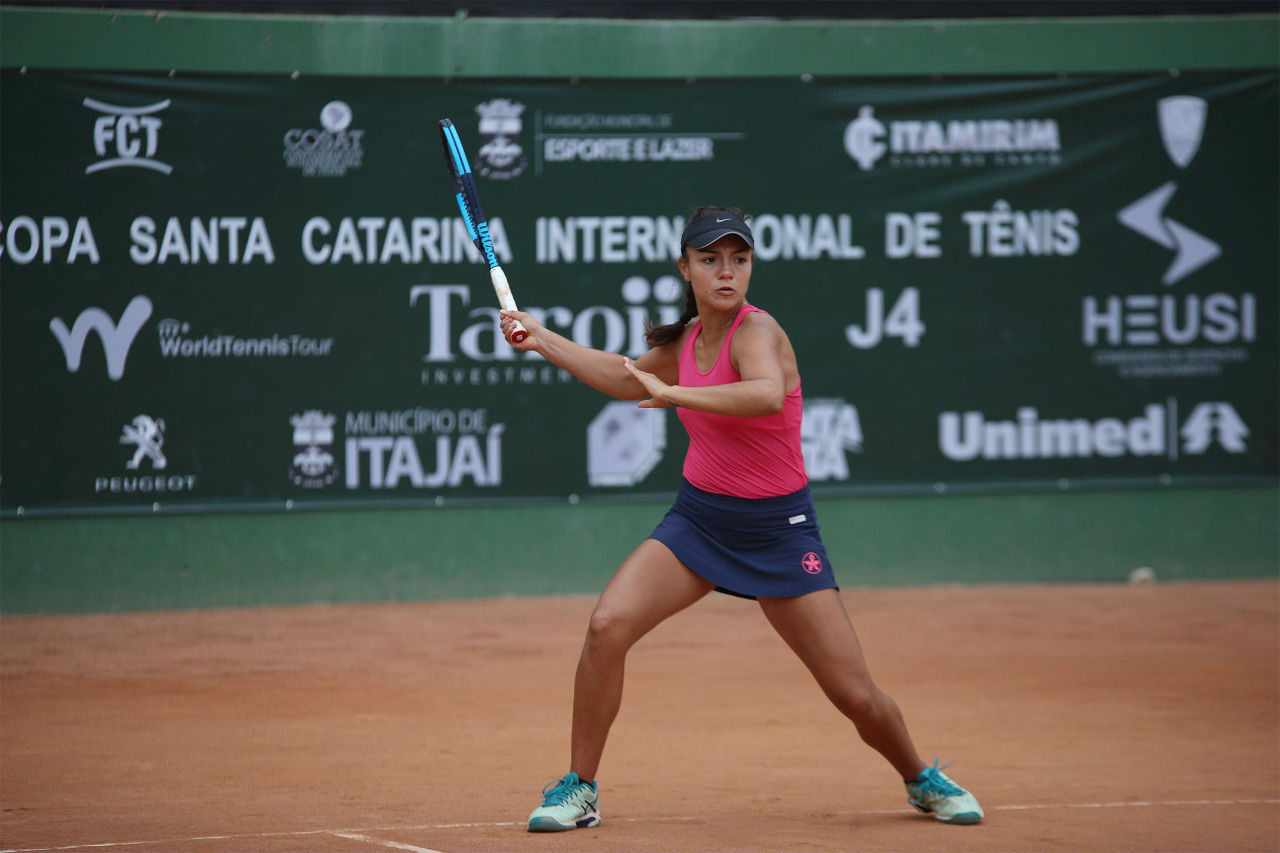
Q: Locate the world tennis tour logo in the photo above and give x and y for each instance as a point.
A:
(126, 137)
(116, 338)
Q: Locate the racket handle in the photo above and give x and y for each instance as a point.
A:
(507, 302)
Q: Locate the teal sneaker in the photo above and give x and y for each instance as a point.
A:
(933, 793)
(567, 803)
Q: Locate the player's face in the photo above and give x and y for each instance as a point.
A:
(719, 273)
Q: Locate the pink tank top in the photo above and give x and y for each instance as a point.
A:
(743, 457)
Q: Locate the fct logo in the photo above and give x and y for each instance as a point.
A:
(126, 136)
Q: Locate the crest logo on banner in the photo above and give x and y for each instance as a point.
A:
(1182, 126)
(501, 157)
(126, 136)
(147, 435)
(314, 466)
(1182, 120)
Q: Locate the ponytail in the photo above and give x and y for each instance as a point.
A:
(656, 336)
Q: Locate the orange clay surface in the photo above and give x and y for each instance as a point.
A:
(1106, 718)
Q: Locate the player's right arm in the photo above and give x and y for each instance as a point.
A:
(604, 371)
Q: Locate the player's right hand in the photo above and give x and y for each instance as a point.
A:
(532, 326)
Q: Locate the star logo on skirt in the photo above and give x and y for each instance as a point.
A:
(812, 563)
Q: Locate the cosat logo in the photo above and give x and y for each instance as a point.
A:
(314, 465)
(1182, 121)
(828, 431)
(131, 134)
(971, 436)
(955, 142)
(501, 156)
(116, 338)
(329, 152)
(147, 437)
(495, 362)
(624, 443)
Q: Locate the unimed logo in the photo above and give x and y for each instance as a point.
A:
(1154, 432)
(116, 338)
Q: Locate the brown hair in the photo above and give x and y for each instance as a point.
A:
(656, 336)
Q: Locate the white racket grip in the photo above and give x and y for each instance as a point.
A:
(507, 301)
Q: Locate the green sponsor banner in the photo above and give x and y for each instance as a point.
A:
(241, 291)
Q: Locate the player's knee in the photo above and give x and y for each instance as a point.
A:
(858, 702)
(608, 632)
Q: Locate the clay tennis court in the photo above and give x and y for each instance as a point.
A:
(1099, 717)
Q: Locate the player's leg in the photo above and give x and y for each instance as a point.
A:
(648, 587)
(817, 627)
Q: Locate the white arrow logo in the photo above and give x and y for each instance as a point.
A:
(1146, 216)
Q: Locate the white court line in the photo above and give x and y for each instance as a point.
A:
(357, 833)
(359, 836)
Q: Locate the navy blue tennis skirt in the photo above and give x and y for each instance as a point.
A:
(749, 547)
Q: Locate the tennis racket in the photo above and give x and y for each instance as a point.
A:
(473, 215)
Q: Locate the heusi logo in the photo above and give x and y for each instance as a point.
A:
(116, 338)
(132, 134)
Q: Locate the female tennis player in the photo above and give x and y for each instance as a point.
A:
(743, 521)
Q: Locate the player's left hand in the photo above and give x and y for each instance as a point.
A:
(655, 386)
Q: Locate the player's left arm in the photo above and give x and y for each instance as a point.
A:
(756, 353)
